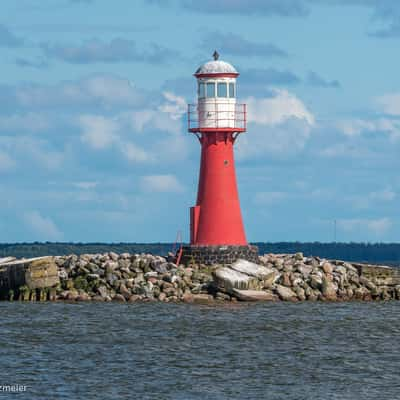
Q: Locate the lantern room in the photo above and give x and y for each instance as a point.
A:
(216, 106)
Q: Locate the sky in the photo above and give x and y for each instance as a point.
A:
(93, 138)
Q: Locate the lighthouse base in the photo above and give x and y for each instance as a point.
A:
(209, 255)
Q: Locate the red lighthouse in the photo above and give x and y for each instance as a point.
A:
(216, 228)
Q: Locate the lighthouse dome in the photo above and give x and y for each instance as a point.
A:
(216, 67)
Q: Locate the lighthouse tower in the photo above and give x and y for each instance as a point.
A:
(216, 228)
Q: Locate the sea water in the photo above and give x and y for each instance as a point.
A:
(182, 351)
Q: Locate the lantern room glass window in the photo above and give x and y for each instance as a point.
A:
(202, 90)
(222, 89)
(211, 89)
(231, 89)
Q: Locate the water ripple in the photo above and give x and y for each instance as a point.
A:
(166, 351)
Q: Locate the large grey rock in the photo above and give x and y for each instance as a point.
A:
(367, 283)
(102, 290)
(299, 256)
(197, 298)
(6, 259)
(227, 279)
(271, 280)
(379, 275)
(36, 273)
(254, 295)
(300, 292)
(304, 269)
(252, 269)
(315, 281)
(286, 293)
(110, 266)
(329, 290)
(327, 267)
(160, 268)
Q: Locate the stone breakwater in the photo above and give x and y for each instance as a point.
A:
(144, 277)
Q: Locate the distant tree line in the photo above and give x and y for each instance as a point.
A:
(384, 253)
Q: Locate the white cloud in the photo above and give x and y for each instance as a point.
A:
(6, 162)
(355, 127)
(383, 195)
(85, 185)
(344, 150)
(116, 50)
(389, 103)
(278, 125)
(104, 91)
(161, 183)
(43, 227)
(175, 105)
(284, 139)
(112, 90)
(98, 132)
(32, 149)
(147, 119)
(29, 122)
(47, 158)
(278, 109)
(166, 117)
(375, 226)
(371, 199)
(268, 198)
(134, 153)
(101, 132)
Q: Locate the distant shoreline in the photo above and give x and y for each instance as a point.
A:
(374, 253)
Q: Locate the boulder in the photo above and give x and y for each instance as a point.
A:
(160, 268)
(286, 280)
(285, 293)
(300, 292)
(315, 281)
(133, 298)
(102, 290)
(125, 291)
(304, 269)
(329, 290)
(299, 256)
(268, 282)
(222, 296)
(197, 298)
(113, 256)
(252, 269)
(227, 279)
(83, 297)
(379, 275)
(254, 295)
(35, 273)
(97, 298)
(71, 295)
(119, 297)
(202, 298)
(367, 283)
(327, 267)
(4, 260)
